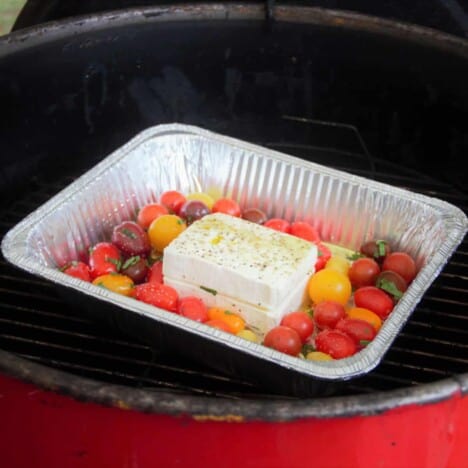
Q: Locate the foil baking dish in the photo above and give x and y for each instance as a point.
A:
(346, 210)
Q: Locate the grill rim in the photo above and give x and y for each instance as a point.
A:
(279, 410)
(85, 389)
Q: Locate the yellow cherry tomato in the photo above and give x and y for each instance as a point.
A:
(248, 335)
(203, 197)
(318, 356)
(120, 284)
(329, 285)
(366, 315)
(232, 320)
(339, 264)
(164, 230)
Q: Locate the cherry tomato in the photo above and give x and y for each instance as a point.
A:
(155, 274)
(248, 335)
(401, 263)
(119, 284)
(363, 272)
(277, 224)
(220, 325)
(227, 206)
(335, 343)
(254, 215)
(104, 258)
(202, 197)
(324, 254)
(136, 268)
(283, 339)
(392, 283)
(172, 200)
(159, 295)
(301, 322)
(304, 231)
(338, 264)
(78, 270)
(372, 298)
(192, 210)
(149, 213)
(329, 285)
(359, 330)
(318, 356)
(376, 249)
(232, 320)
(164, 230)
(366, 315)
(328, 313)
(131, 239)
(193, 308)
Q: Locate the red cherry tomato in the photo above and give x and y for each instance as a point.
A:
(304, 231)
(104, 259)
(172, 200)
(227, 206)
(283, 339)
(363, 272)
(401, 263)
(324, 254)
(149, 213)
(131, 239)
(374, 299)
(193, 308)
(392, 283)
(301, 322)
(328, 313)
(359, 330)
(159, 295)
(78, 270)
(335, 343)
(155, 274)
(254, 215)
(277, 224)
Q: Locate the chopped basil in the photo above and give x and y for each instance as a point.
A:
(228, 312)
(115, 261)
(211, 291)
(307, 348)
(380, 248)
(364, 342)
(127, 232)
(131, 261)
(355, 256)
(390, 288)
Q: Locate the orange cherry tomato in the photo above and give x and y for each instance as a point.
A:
(227, 206)
(232, 320)
(164, 230)
(329, 285)
(366, 315)
(149, 213)
(219, 324)
(119, 284)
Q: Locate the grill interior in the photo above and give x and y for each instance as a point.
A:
(37, 325)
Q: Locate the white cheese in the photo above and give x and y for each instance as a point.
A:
(258, 319)
(240, 259)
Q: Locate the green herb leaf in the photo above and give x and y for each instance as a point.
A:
(355, 256)
(380, 248)
(209, 290)
(101, 285)
(310, 312)
(390, 288)
(127, 232)
(115, 261)
(364, 342)
(319, 253)
(307, 348)
(131, 261)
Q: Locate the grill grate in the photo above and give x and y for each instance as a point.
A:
(37, 325)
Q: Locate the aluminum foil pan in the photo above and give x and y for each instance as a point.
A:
(345, 209)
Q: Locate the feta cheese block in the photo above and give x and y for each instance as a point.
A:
(258, 319)
(241, 261)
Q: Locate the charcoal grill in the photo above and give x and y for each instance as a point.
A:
(67, 380)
